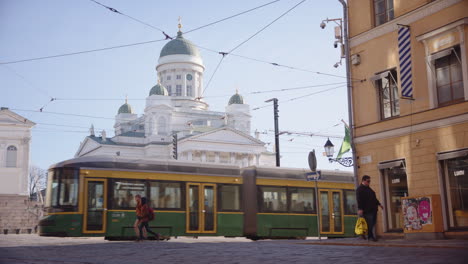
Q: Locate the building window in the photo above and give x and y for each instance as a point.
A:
(448, 77)
(178, 90)
(168, 78)
(178, 77)
(383, 11)
(11, 157)
(189, 90)
(169, 90)
(388, 94)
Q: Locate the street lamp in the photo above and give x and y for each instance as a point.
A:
(330, 150)
(275, 114)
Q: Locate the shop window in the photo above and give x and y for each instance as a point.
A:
(448, 76)
(383, 11)
(165, 195)
(456, 182)
(229, 197)
(124, 193)
(273, 199)
(11, 156)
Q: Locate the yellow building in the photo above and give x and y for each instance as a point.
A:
(411, 112)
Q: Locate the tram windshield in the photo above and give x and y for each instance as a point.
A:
(62, 190)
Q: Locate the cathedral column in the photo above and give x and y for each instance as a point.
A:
(189, 156)
(184, 83)
(203, 156)
(245, 160)
(257, 159)
(216, 157)
(232, 157)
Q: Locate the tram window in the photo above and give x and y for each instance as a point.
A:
(63, 189)
(229, 197)
(350, 202)
(302, 199)
(273, 199)
(125, 191)
(165, 195)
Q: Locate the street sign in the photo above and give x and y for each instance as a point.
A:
(313, 175)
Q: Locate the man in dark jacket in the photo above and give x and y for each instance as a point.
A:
(368, 205)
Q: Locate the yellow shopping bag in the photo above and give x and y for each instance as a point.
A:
(361, 226)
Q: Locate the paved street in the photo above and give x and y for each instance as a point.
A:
(34, 249)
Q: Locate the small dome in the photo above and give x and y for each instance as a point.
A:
(125, 109)
(236, 99)
(179, 45)
(159, 89)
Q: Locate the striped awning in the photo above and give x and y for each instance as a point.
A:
(404, 50)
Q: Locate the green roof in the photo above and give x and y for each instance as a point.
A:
(158, 89)
(236, 99)
(125, 109)
(179, 45)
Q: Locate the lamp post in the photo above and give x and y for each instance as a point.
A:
(330, 150)
(346, 50)
(275, 114)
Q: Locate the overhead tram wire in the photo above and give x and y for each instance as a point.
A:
(300, 97)
(224, 54)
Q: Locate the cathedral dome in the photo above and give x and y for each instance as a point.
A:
(179, 45)
(125, 109)
(236, 99)
(158, 89)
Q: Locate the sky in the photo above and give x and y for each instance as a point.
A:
(88, 88)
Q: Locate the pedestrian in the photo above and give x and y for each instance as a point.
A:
(368, 206)
(144, 219)
(138, 216)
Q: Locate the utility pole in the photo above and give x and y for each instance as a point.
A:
(174, 145)
(275, 114)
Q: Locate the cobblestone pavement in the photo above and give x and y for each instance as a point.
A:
(34, 249)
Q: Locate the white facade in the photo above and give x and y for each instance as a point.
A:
(15, 136)
(175, 106)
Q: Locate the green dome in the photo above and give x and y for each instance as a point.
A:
(125, 109)
(158, 89)
(179, 45)
(236, 99)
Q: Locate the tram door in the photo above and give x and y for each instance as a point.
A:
(331, 212)
(95, 209)
(201, 208)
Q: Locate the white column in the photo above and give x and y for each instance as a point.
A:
(245, 160)
(232, 156)
(257, 159)
(184, 83)
(216, 157)
(189, 156)
(203, 156)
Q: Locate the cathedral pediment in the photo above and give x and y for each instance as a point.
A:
(10, 118)
(224, 135)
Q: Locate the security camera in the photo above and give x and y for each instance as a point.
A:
(323, 25)
(336, 65)
(335, 45)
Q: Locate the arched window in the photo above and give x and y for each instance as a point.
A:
(11, 156)
(162, 130)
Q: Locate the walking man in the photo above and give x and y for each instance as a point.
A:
(368, 206)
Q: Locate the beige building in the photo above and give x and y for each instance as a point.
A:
(411, 112)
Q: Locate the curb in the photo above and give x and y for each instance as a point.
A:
(384, 245)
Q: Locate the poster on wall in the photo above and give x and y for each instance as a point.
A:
(417, 212)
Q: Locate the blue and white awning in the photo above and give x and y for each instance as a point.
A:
(404, 50)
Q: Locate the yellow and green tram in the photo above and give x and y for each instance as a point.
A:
(94, 196)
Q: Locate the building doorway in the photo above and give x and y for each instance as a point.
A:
(456, 191)
(395, 186)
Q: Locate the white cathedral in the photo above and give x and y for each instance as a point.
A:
(175, 107)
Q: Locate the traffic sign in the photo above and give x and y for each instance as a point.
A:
(313, 175)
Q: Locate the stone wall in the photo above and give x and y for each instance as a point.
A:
(18, 214)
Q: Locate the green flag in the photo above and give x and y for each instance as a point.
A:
(346, 145)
